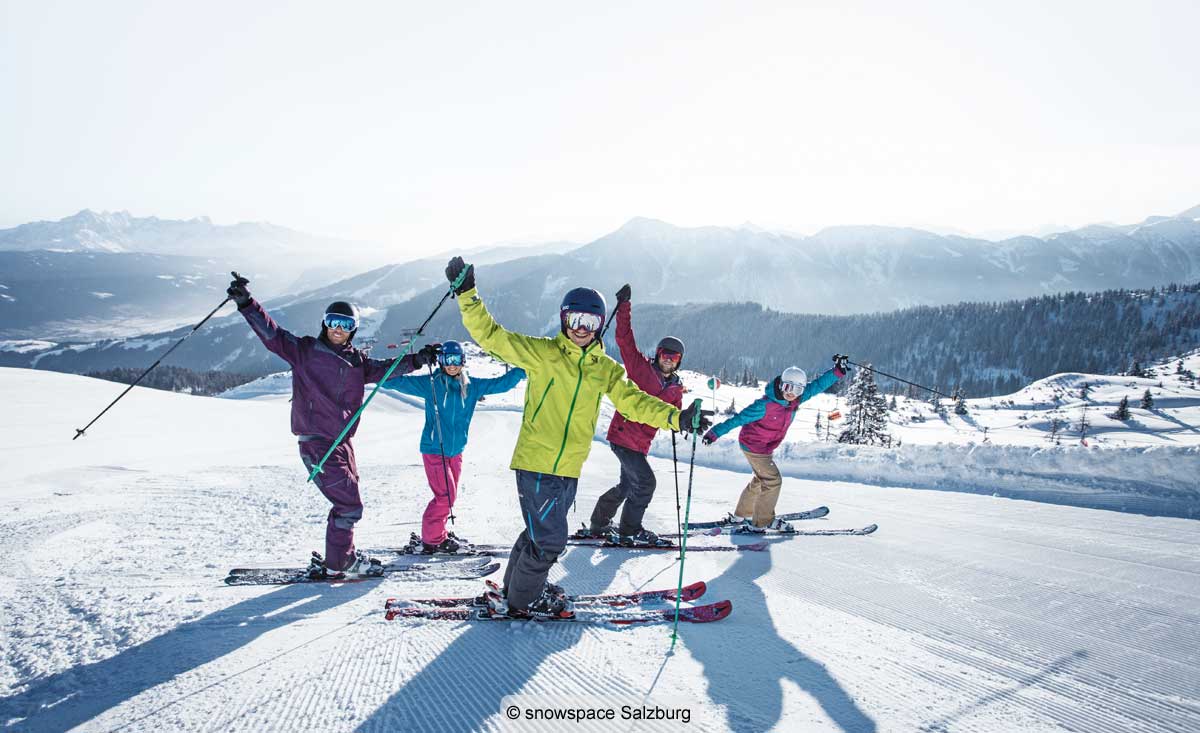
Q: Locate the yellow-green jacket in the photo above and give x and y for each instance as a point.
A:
(562, 396)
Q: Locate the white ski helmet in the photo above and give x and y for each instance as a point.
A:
(794, 376)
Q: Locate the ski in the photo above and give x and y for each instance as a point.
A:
(602, 543)
(816, 513)
(589, 615)
(633, 598)
(414, 548)
(717, 531)
(416, 572)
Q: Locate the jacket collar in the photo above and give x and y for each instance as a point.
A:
(568, 347)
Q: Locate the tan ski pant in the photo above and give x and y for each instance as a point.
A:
(759, 497)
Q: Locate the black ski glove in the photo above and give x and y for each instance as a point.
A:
(454, 269)
(624, 293)
(237, 290)
(841, 365)
(689, 413)
(427, 355)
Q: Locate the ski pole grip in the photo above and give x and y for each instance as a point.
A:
(461, 276)
(696, 403)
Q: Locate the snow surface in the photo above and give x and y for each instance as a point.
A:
(964, 612)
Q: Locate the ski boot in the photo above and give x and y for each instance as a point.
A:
(747, 527)
(448, 546)
(643, 538)
(733, 520)
(781, 526)
(543, 607)
(554, 589)
(587, 532)
(316, 566)
(360, 566)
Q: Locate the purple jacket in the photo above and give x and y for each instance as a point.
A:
(328, 382)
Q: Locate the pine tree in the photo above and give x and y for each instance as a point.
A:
(1056, 426)
(892, 405)
(866, 418)
(960, 405)
(1122, 412)
(1147, 400)
(1083, 423)
(1084, 391)
(732, 409)
(1179, 367)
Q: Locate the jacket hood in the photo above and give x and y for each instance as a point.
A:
(772, 393)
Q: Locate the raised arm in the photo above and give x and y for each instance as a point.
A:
(416, 385)
(820, 384)
(641, 370)
(514, 348)
(278, 340)
(374, 369)
(497, 385)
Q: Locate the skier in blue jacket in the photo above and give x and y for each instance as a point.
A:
(450, 397)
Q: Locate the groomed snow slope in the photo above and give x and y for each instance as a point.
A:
(964, 612)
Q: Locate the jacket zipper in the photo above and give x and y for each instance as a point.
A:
(541, 401)
(570, 411)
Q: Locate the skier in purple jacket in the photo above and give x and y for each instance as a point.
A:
(329, 378)
(764, 424)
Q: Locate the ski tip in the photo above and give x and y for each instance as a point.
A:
(715, 531)
(487, 570)
(694, 591)
(870, 528)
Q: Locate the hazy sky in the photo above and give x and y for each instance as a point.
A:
(425, 127)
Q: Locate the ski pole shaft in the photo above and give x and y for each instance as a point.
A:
(900, 379)
(354, 418)
(675, 466)
(81, 431)
(686, 517)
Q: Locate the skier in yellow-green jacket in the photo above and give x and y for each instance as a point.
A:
(568, 374)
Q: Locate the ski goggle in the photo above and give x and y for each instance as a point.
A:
(337, 320)
(791, 387)
(578, 320)
(450, 359)
(668, 355)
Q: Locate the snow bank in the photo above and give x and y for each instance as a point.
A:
(1159, 481)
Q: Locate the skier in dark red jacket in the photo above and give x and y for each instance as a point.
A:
(329, 377)
(630, 441)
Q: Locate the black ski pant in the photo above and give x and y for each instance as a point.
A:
(635, 489)
(545, 499)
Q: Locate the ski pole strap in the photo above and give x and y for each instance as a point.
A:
(420, 331)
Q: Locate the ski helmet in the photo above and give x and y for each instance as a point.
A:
(670, 343)
(341, 308)
(452, 354)
(582, 300)
(793, 380)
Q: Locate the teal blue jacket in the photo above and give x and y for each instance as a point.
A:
(453, 411)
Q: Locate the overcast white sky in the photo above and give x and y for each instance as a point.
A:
(430, 128)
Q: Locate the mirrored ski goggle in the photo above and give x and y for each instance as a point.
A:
(577, 320)
(450, 359)
(669, 355)
(337, 320)
(791, 387)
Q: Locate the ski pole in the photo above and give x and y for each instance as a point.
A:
(354, 418)
(898, 379)
(675, 465)
(240, 281)
(686, 517)
(437, 421)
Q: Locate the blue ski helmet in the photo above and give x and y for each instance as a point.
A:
(452, 354)
(582, 300)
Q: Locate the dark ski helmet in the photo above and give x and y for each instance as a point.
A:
(452, 354)
(340, 308)
(670, 343)
(582, 300)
